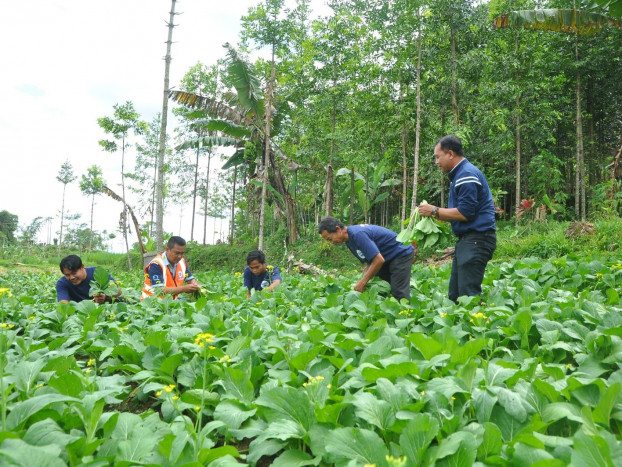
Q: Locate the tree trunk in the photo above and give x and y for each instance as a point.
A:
(366, 194)
(153, 197)
(329, 188)
(127, 208)
(352, 196)
(194, 192)
(454, 85)
(232, 226)
(62, 220)
(580, 169)
(404, 175)
(417, 125)
(518, 141)
(162, 147)
(91, 229)
(266, 152)
(209, 158)
(290, 207)
(124, 217)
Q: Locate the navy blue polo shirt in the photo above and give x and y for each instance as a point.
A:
(251, 281)
(470, 193)
(65, 290)
(365, 241)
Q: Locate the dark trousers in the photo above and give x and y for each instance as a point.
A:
(473, 251)
(397, 273)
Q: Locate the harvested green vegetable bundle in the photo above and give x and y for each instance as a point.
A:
(101, 283)
(426, 232)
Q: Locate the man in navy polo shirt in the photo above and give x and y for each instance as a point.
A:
(76, 282)
(378, 248)
(471, 212)
(259, 275)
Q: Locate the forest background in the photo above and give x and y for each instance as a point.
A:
(340, 114)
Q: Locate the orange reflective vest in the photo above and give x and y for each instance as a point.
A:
(172, 280)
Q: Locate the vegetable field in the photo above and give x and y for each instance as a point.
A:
(317, 374)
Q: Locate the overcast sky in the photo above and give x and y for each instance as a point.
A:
(65, 63)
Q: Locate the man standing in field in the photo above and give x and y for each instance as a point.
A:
(168, 273)
(378, 248)
(76, 282)
(471, 212)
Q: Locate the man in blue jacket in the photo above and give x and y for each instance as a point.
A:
(378, 248)
(76, 282)
(471, 212)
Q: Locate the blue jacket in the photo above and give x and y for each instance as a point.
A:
(470, 193)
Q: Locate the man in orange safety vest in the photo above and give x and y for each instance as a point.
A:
(168, 273)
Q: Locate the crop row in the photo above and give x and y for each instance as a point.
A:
(317, 374)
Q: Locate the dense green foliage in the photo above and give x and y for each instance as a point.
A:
(318, 374)
(346, 109)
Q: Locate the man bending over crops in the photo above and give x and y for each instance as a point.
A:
(168, 273)
(471, 212)
(258, 274)
(378, 248)
(76, 282)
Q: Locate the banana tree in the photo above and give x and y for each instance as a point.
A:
(572, 21)
(238, 118)
(368, 189)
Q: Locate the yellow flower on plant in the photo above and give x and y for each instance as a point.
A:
(159, 393)
(314, 380)
(197, 408)
(88, 370)
(202, 338)
(40, 385)
(224, 359)
(91, 362)
(6, 290)
(393, 462)
(175, 397)
(443, 315)
(169, 388)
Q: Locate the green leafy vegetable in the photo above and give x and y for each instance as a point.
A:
(101, 283)
(426, 232)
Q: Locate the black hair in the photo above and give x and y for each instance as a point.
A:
(451, 143)
(256, 255)
(175, 240)
(71, 262)
(330, 224)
